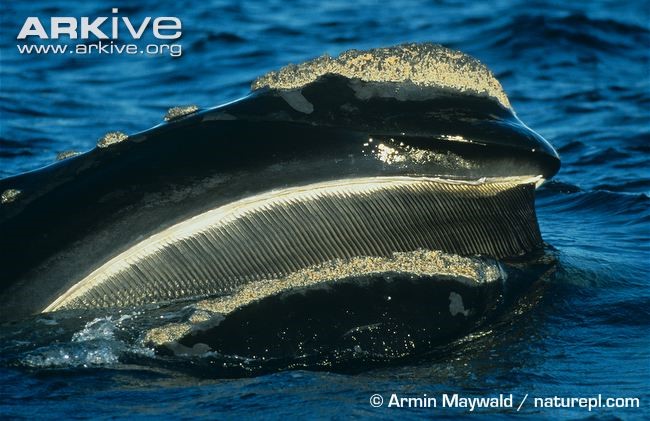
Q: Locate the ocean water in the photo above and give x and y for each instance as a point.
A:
(576, 72)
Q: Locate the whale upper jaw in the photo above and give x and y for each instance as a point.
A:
(415, 123)
(413, 89)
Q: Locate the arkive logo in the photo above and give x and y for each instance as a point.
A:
(99, 29)
(166, 27)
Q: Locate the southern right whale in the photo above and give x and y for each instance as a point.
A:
(406, 160)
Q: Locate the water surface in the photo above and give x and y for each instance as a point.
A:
(577, 73)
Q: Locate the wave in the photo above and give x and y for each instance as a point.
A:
(95, 344)
(575, 30)
(564, 197)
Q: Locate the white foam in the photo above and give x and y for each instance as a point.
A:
(94, 345)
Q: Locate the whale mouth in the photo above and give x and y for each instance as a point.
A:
(283, 232)
(365, 156)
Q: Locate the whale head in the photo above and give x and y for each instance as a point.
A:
(404, 163)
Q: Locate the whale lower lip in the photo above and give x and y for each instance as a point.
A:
(282, 181)
(379, 306)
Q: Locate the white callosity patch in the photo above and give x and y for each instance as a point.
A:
(66, 154)
(111, 138)
(9, 195)
(175, 113)
(425, 65)
(456, 305)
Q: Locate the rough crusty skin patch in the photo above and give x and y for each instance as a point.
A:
(427, 65)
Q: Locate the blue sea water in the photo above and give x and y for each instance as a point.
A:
(576, 72)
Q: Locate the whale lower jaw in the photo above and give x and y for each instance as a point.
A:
(287, 234)
(350, 297)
